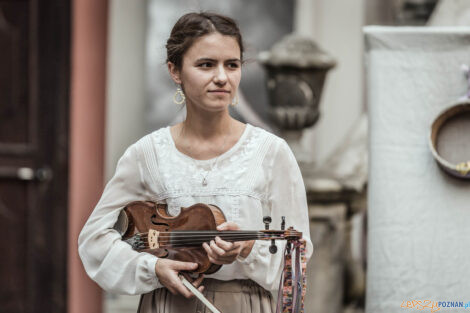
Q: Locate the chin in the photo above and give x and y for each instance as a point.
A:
(215, 107)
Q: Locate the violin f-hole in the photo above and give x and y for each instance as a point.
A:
(165, 255)
(158, 224)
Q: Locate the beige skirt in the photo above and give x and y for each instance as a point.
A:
(235, 296)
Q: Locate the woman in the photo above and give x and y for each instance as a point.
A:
(209, 158)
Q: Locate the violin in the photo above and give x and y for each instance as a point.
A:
(148, 227)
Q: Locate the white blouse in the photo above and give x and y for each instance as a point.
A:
(258, 176)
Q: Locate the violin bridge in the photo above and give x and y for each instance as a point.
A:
(153, 239)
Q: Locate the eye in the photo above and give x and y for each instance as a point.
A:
(205, 64)
(233, 65)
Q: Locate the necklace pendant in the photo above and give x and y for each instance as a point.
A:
(204, 182)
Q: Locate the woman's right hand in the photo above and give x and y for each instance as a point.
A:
(167, 273)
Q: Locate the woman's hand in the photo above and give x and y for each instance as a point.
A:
(167, 273)
(223, 252)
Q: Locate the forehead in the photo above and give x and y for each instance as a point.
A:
(214, 46)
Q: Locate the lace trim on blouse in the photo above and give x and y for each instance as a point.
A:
(236, 172)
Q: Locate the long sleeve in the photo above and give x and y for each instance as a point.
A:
(109, 261)
(286, 197)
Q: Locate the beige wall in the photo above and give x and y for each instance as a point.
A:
(125, 118)
(87, 116)
(336, 25)
(126, 97)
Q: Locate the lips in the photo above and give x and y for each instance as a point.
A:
(219, 91)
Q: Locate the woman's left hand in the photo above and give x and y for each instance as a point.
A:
(223, 252)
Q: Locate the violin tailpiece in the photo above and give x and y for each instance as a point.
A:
(136, 242)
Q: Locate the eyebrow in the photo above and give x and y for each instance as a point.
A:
(213, 60)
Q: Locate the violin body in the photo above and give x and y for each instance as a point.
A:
(144, 216)
(148, 227)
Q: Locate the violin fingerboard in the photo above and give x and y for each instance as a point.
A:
(153, 239)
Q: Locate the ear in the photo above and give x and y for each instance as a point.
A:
(174, 72)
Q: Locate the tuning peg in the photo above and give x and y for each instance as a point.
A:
(283, 223)
(267, 220)
(273, 247)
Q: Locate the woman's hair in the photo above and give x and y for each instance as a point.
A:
(191, 26)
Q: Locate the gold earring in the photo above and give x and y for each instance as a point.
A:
(179, 94)
(234, 100)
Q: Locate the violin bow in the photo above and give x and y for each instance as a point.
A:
(198, 294)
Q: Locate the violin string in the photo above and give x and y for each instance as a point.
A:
(220, 231)
(200, 242)
(174, 237)
(213, 235)
(190, 238)
(210, 233)
(172, 245)
(183, 245)
(208, 238)
(229, 231)
(192, 241)
(211, 238)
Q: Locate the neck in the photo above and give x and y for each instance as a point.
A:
(206, 135)
(207, 125)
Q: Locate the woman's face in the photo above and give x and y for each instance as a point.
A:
(210, 73)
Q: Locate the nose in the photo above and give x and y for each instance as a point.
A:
(220, 76)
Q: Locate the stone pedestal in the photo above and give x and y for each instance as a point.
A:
(325, 269)
(336, 275)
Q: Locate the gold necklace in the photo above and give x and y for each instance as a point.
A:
(204, 181)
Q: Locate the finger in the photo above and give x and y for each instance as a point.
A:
(185, 292)
(183, 266)
(218, 261)
(238, 245)
(230, 255)
(228, 226)
(213, 258)
(226, 245)
(234, 250)
(198, 281)
(222, 226)
(217, 250)
(171, 289)
(222, 259)
(207, 248)
(201, 288)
